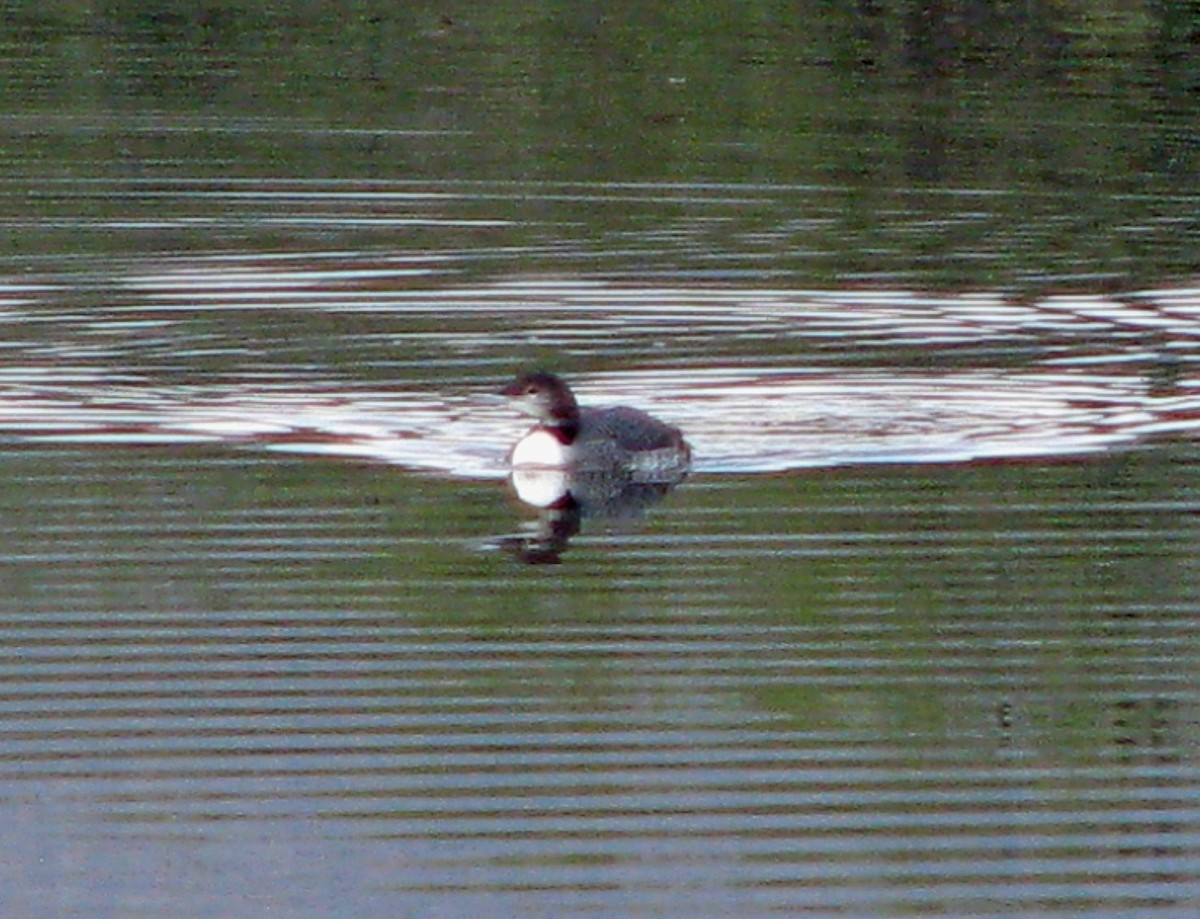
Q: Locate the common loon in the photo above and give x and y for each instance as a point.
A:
(568, 436)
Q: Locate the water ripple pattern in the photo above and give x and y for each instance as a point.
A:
(899, 692)
(762, 380)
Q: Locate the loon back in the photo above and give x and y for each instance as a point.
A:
(630, 428)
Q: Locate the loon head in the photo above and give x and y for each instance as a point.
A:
(546, 397)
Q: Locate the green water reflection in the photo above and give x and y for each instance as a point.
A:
(834, 662)
(969, 554)
(1033, 93)
(1080, 115)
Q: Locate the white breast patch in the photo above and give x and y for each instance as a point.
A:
(541, 448)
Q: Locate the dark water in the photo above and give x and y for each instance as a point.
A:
(916, 637)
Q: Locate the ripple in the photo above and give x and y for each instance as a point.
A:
(741, 416)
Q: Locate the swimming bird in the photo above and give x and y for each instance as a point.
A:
(568, 436)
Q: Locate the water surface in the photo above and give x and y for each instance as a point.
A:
(916, 636)
(842, 691)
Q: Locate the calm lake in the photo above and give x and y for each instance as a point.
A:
(917, 636)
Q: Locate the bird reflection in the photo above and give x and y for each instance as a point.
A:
(566, 497)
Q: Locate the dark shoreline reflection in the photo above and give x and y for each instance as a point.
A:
(566, 497)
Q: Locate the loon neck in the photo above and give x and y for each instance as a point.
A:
(565, 430)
